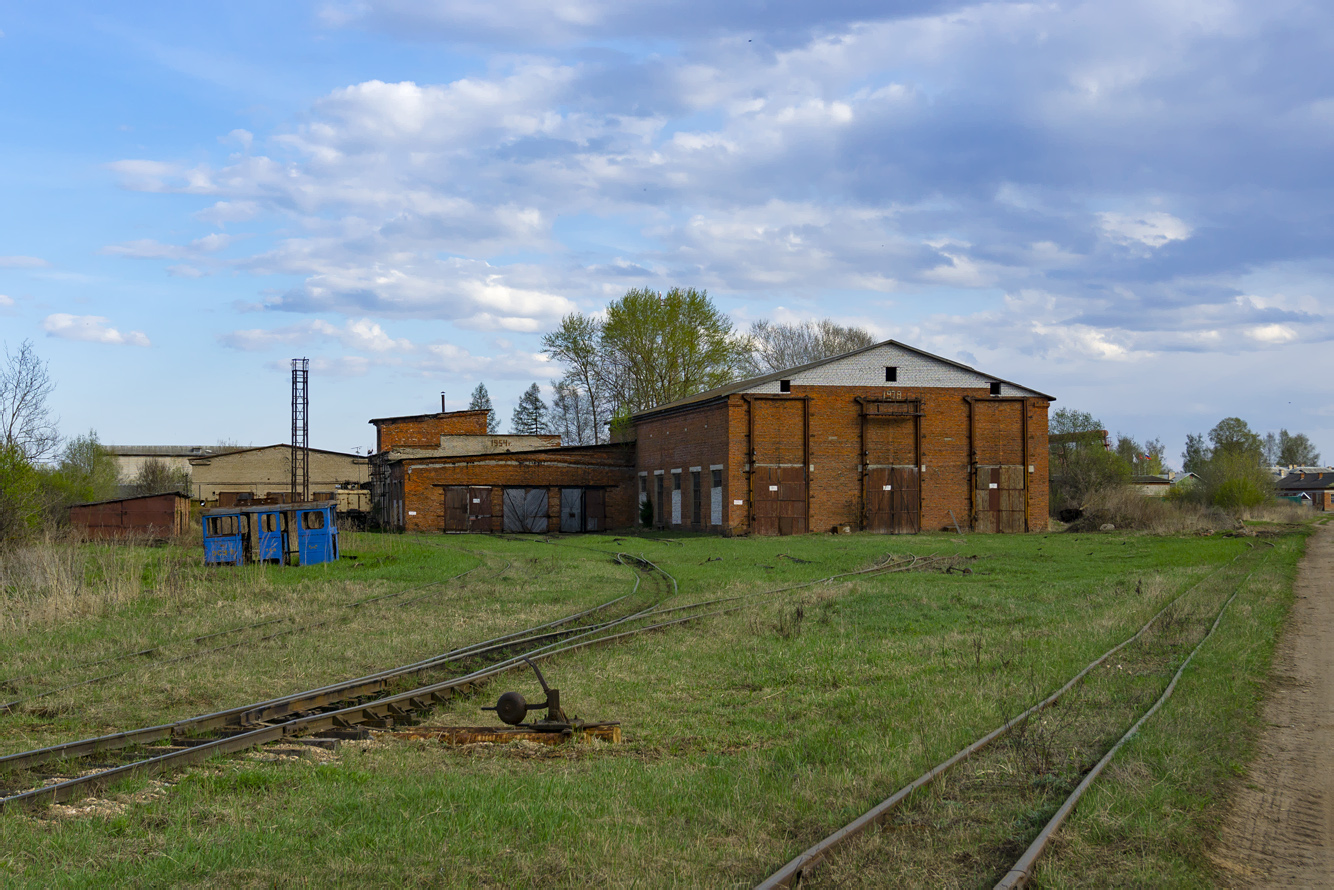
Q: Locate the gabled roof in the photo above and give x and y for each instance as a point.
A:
(169, 450)
(1305, 481)
(755, 383)
(239, 451)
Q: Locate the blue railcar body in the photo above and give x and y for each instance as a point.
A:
(287, 534)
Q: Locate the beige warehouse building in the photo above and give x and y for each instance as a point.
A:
(268, 469)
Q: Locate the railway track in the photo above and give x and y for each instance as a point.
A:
(60, 772)
(845, 852)
(365, 701)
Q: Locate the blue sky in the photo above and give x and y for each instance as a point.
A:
(1125, 205)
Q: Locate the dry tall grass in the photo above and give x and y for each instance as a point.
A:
(56, 578)
(1126, 509)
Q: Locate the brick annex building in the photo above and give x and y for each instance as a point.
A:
(886, 439)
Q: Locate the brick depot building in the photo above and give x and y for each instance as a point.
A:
(886, 439)
(442, 472)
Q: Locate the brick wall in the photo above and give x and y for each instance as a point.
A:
(420, 482)
(682, 442)
(834, 460)
(425, 430)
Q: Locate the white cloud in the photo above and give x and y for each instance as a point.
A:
(23, 262)
(361, 334)
(91, 329)
(1272, 334)
(147, 248)
(224, 212)
(1149, 229)
(5, 301)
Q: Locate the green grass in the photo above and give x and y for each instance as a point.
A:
(748, 736)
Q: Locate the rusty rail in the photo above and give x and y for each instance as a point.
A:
(1020, 873)
(794, 870)
(398, 705)
(295, 703)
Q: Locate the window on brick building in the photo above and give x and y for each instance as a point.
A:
(694, 499)
(785, 386)
(995, 389)
(891, 374)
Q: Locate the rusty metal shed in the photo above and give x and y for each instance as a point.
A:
(152, 515)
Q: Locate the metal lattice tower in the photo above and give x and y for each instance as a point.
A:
(300, 430)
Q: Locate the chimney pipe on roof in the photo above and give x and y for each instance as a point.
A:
(442, 401)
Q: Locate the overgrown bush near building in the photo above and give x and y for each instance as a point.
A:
(1124, 508)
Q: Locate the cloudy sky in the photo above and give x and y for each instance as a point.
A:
(1126, 205)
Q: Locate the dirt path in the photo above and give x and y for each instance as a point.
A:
(1280, 832)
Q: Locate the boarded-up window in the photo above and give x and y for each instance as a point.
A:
(676, 499)
(694, 499)
(525, 510)
(658, 506)
(716, 499)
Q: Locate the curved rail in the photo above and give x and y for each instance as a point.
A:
(398, 705)
(322, 697)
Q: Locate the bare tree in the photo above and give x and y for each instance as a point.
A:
(26, 424)
(157, 477)
(775, 347)
(576, 344)
(572, 415)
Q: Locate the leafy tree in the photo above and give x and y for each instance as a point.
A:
(1145, 460)
(1067, 421)
(86, 472)
(775, 347)
(1296, 450)
(1154, 463)
(1081, 464)
(658, 348)
(1233, 435)
(1234, 480)
(158, 477)
(20, 495)
(531, 416)
(25, 418)
(1196, 456)
(481, 401)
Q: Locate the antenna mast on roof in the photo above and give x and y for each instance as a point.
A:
(300, 430)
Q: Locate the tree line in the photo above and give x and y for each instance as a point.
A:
(650, 348)
(1231, 463)
(42, 474)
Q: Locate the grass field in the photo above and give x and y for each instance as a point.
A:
(748, 736)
